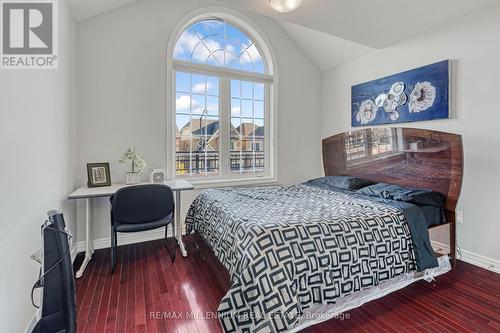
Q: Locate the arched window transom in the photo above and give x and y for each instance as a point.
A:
(216, 42)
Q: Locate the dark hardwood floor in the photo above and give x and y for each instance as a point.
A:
(147, 293)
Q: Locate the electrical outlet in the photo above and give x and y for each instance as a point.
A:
(459, 216)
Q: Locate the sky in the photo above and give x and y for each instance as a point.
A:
(217, 43)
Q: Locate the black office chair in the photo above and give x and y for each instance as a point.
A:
(140, 208)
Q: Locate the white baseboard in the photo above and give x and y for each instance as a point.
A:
(74, 252)
(126, 238)
(32, 323)
(470, 257)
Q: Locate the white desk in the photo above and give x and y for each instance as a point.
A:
(87, 193)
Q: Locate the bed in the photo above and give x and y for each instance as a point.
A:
(301, 254)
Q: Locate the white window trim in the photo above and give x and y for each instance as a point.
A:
(271, 174)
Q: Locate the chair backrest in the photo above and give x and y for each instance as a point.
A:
(142, 203)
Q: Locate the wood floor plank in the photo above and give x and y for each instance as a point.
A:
(104, 305)
(148, 293)
(123, 291)
(140, 297)
(90, 291)
(112, 315)
(447, 300)
(155, 288)
(131, 284)
(83, 291)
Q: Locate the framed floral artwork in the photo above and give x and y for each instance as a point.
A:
(98, 175)
(416, 95)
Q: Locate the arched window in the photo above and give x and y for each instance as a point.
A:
(223, 111)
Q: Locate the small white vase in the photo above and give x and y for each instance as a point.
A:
(132, 178)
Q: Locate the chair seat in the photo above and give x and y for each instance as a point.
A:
(129, 227)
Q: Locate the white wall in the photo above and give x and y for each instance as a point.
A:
(472, 42)
(37, 131)
(122, 88)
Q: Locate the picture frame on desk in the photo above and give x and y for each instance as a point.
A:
(98, 174)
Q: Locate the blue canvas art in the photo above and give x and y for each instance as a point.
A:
(415, 95)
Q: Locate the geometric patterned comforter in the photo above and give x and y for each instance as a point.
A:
(289, 248)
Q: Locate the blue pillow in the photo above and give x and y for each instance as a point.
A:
(339, 182)
(401, 193)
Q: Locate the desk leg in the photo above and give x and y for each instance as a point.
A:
(88, 240)
(178, 230)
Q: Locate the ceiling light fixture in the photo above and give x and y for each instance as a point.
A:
(285, 6)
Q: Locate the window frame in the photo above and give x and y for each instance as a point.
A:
(225, 75)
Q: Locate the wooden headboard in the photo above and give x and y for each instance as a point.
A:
(404, 156)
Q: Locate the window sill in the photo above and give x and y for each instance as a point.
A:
(205, 184)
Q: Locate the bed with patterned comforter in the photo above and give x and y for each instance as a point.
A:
(289, 248)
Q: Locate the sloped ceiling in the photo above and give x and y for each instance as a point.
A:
(331, 32)
(84, 9)
(374, 23)
(324, 50)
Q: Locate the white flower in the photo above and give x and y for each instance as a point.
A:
(397, 88)
(422, 97)
(401, 99)
(367, 112)
(138, 163)
(390, 105)
(379, 101)
(394, 115)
